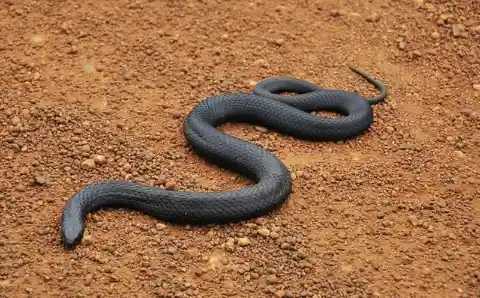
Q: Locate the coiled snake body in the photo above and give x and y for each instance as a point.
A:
(287, 114)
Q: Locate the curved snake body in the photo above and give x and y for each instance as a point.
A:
(287, 114)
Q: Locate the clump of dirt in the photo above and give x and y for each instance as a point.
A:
(98, 90)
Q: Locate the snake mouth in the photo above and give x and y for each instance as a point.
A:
(69, 242)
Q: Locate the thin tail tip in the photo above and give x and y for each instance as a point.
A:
(362, 73)
(379, 86)
(354, 69)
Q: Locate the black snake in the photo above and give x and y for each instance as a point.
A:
(266, 106)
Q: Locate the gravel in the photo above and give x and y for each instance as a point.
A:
(100, 91)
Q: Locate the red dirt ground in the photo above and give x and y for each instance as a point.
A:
(394, 213)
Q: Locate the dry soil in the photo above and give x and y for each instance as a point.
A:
(93, 90)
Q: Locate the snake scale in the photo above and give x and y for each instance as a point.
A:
(287, 114)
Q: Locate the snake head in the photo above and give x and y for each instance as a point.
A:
(72, 230)
(71, 235)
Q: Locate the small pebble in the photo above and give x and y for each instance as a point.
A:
(337, 12)
(261, 128)
(419, 3)
(261, 62)
(413, 220)
(466, 111)
(100, 67)
(170, 185)
(100, 159)
(88, 68)
(243, 241)
(85, 148)
(272, 279)
(127, 75)
(127, 167)
(72, 50)
(40, 180)
(416, 53)
(458, 30)
(20, 187)
(177, 115)
(230, 245)
(88, 164)
(264, 232)
(15, 121)
(436, 35)
(373, 18)
(274, 235)
(279, 41)
(87, 239)
(37, 39)
(172, 250)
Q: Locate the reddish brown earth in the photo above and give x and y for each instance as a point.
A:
(394, 213)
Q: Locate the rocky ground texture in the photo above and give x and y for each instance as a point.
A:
(93, 90)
